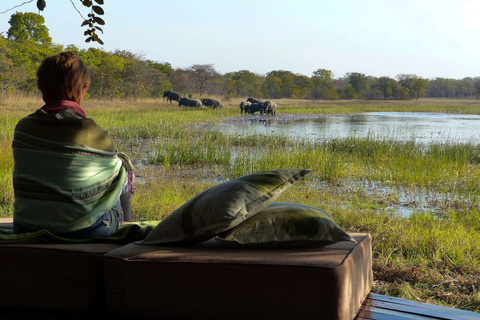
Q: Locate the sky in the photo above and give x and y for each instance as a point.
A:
(428, 38)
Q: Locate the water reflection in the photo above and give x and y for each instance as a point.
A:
(423, 128)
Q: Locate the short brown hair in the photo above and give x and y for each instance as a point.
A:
(63, 77)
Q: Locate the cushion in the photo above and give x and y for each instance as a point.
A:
(211, 280)
(67, 276)
(223, 206)
(286, 224)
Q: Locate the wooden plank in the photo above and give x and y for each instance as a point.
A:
(385, 314)
(431, 310)
(379, 307)
(379, 297)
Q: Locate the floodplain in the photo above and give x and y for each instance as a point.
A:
(419, 201)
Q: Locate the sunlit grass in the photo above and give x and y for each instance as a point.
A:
(431, 255)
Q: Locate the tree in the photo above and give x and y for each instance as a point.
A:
(359, 82)
(163, 67)
(246, 83)
(106, 70)
(286, 84)
(304, 85)
(10, 76)
(322, 77)
(442, 88)
(201, 74)
(272, 87)
(407, 81)
(465, 88)
(386, 86)
(419, 87)
(477, 86)
(349, 92)
(322, 80)
(401, 93)
(28, 26)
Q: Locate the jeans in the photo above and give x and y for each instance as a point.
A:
(105, 226)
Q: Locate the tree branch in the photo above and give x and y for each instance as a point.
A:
(26, 2)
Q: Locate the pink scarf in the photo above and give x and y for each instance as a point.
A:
(55, 106)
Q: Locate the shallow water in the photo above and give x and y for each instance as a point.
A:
(424, 128)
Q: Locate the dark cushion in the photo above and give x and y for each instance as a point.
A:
(52, 276)
(223, 206)
(285, 224)
(213, 281)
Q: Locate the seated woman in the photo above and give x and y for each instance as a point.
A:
(68, 177)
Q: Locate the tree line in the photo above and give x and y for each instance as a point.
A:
(123, 74)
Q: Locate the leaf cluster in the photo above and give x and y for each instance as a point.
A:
(94, 21)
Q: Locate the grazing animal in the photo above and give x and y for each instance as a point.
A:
(270, 107)
(171, 95)
(256, 107)
(243, 106)
(253, 100)
(190, 102)
(212, 103)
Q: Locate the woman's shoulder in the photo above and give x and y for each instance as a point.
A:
(66, 128)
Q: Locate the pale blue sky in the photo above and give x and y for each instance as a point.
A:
(429, 38)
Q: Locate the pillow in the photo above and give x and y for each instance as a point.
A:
(223, 206)
(286, 224)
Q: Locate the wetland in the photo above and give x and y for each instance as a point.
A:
(407, 172)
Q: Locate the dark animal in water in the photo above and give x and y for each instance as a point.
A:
(253, 100)
(243, 106)
(256, 107)
(270, 107)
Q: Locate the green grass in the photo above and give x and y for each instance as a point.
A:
(432, 255)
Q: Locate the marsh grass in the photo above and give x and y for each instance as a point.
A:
(432, 255)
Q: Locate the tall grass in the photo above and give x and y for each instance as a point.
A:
(431, 255)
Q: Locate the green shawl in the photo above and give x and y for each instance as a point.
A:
(66, 173)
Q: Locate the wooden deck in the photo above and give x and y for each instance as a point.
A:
(379, 307)
(375, 307)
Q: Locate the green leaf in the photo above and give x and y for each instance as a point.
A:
(98, 10)
(100, 21)
(41, 4)
(88, 39)
(97, 39)
(99, 1)
(87, 3)
(84, 23)
(98, 28)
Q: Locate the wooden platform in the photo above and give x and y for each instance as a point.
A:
(379, 307)
(375, 307)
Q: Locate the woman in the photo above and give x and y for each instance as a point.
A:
(68, 177)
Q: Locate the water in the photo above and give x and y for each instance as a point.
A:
(424, 128)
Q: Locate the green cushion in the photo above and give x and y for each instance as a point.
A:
(223, 206)
(286, 224)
